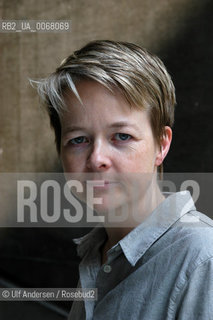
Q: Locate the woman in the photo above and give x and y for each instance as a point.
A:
(111, 105)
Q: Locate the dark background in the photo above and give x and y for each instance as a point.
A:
(190, 61)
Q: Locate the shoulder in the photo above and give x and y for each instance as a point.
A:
(192, 255)
(187, 243)
(192, 235)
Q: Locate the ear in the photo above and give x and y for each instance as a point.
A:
(164, 146)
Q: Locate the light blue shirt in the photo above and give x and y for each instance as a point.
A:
(162, 269)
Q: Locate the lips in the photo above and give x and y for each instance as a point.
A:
(96, 184)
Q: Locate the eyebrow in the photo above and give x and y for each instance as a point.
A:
(73, 128)
(119, 124)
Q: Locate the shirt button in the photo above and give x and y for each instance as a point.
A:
(107, 268)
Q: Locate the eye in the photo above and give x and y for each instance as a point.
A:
(78, 140)
(122, 136)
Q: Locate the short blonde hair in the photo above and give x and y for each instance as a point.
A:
(139, 75)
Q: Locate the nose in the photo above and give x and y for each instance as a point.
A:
(99, 157)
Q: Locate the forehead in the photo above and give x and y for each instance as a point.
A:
(96, 99)
(89, 89)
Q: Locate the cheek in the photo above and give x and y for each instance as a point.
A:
(71, 163)
(141, 160)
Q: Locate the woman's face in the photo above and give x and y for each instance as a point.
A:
(105, 135)
(106, 140)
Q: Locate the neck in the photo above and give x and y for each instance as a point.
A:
(137, 213)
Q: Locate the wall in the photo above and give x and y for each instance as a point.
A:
(179, 31)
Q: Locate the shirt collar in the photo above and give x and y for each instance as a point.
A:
(139, 240)
(91, 240)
